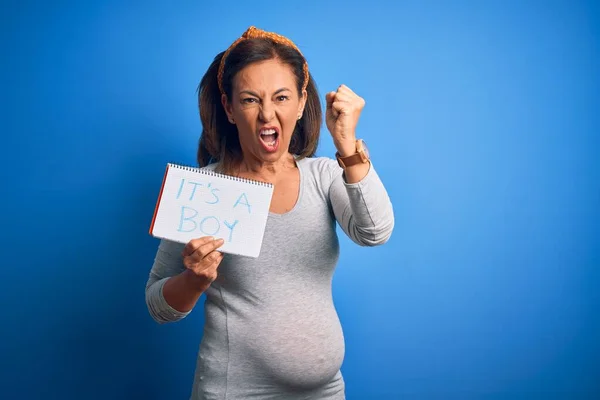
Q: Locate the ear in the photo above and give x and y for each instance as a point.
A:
(227, 107)
(302, 102)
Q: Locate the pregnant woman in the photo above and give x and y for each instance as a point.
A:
(271, 329)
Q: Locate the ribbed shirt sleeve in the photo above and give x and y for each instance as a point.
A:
(167, 262)
(363, 209)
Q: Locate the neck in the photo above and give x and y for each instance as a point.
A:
(267, 170)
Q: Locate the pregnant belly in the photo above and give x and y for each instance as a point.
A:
(301, 347)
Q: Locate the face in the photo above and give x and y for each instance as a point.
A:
(265, 107)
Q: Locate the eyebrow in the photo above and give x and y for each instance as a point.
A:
(283, 89)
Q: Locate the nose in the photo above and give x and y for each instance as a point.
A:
(267, 111)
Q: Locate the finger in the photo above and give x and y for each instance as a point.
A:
(344, 89)
(341, 107)
(211, 261)
(213, 257)
(347, 96)
(192, 261)
(343, 98)
(194, 258)
(194, 244)
(352, 100)
(215, 264)
(206, 248)
(211, 272)
(330, 97)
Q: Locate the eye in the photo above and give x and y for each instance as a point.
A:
(282, 98)
(249, 100)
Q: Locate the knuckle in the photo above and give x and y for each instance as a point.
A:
(188, 249)
(207, 248)
(200, 254)
(202, 251)
(210, 274)
(193, 246)
(191, 265)
(195, 242)
(216, 244)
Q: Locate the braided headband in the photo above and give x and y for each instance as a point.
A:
(255, 33)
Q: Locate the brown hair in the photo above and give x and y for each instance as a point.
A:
(219, 141)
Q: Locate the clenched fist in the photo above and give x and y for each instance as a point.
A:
(342, 114)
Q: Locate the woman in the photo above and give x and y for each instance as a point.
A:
(271, 329)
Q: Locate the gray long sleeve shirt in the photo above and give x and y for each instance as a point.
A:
(271, 329)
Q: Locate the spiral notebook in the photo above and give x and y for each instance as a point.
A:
(195, 202)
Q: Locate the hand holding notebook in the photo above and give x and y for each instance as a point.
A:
(196, 202)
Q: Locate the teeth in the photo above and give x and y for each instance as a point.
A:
(269, 137)
(268, 132)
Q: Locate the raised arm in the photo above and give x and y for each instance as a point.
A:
(359, 200)
(362, 208)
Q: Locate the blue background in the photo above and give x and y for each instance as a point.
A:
(482, 119)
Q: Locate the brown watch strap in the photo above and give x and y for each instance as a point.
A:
(351, 160)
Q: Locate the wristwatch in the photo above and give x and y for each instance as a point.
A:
(360, 157)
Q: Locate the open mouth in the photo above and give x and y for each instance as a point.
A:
(269, 138)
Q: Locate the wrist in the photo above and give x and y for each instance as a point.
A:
(359, 155)
(194, 282)
(346, 148)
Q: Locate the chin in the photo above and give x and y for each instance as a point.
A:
(273, 156)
